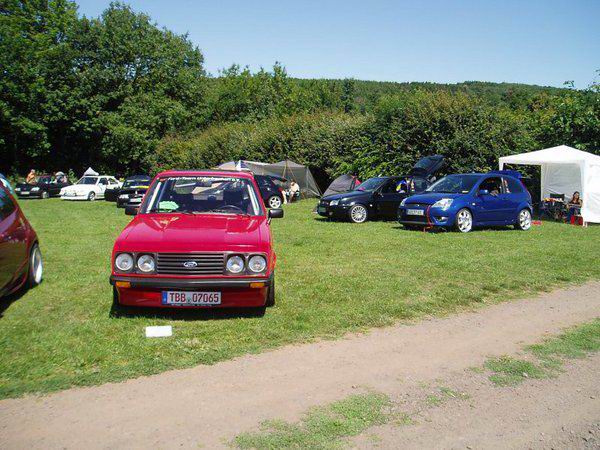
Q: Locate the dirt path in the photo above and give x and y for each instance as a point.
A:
(556, 413)
(208, 405)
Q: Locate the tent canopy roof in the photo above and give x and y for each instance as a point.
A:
(561, 154)
(565, 170)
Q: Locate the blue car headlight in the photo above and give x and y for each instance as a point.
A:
(403, 202)
(444, 203)
(334, 202)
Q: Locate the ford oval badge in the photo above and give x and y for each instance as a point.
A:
(190, 264)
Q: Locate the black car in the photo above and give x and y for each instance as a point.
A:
(45, 186)
(270, 189)
(133, 190)
(380, 197)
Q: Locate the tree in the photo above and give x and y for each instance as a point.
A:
(96, 92)
(33, 37)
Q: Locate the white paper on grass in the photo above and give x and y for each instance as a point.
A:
(159, 331)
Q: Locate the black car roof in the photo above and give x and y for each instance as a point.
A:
(139, 177)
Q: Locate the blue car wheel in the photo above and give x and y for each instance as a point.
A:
(464, 220)
(524, 220)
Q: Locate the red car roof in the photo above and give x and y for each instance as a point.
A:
(194, 173)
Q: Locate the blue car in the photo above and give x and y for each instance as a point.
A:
(465, 201)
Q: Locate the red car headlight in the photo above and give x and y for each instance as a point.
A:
(146, 263)
(235, 264)
(124, 262)
(257, 263)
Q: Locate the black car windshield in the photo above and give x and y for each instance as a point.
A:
(203, 195)
(44, 180)
(371, 184)
(88, 180)
(454, 184)
(136, 182)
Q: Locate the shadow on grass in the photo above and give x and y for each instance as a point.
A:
(186, 314)
(5, 302)
(444, 230)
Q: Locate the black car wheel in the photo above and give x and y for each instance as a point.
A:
(35, 273)
(45, 194)
(274, 202)
(358, 214)
(92, 196)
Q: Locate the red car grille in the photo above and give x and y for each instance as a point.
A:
(190, 263)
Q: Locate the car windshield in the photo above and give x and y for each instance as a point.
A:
(454, 184)
(371, 184)
(44, 180)
(88, 180)
(204, 195)
(136, 182)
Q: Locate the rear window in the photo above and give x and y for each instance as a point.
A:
(512, 185)
(7, 206)
(420, 184)
(263, 181)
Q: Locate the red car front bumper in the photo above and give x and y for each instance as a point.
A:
(235, 293)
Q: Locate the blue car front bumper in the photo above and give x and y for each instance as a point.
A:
(426, 216)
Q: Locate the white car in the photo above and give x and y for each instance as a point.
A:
(89, 187)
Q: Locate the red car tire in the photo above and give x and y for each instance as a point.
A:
(35, 272)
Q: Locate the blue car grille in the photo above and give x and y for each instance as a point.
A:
(416, 205)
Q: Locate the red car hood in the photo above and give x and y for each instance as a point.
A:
(195, 233)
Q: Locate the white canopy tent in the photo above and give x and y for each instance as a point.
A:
(256, 167)
(566, 170)
(90, 172)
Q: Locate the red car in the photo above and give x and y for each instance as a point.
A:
(20, 256)
(199, 239)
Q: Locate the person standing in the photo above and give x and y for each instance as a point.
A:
(31, 178)
(294, 190)
(574, 206)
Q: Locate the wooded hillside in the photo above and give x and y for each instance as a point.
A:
(122, 95)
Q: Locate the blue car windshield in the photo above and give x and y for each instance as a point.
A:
(371, 184)
(454, 184)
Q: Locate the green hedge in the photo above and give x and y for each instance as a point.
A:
(470, 133)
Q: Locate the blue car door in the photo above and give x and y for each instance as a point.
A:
(514, 195)
(490, 206)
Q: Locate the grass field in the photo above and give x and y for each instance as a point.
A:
(332, 278)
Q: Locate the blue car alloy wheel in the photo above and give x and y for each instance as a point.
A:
(464, 220)
(524, 220)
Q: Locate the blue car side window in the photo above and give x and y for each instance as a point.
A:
(513, 186)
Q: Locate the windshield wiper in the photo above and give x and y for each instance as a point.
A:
(228, 211)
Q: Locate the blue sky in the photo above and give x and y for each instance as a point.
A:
(537, 42)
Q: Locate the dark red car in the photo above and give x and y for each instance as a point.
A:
(199, 239)
(20, 256)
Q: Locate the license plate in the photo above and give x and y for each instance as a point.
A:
(415, 212)
(124, 196)
(187, 298)
(24, 193)
(322, 209)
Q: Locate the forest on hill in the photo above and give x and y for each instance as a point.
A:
(123, 95)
